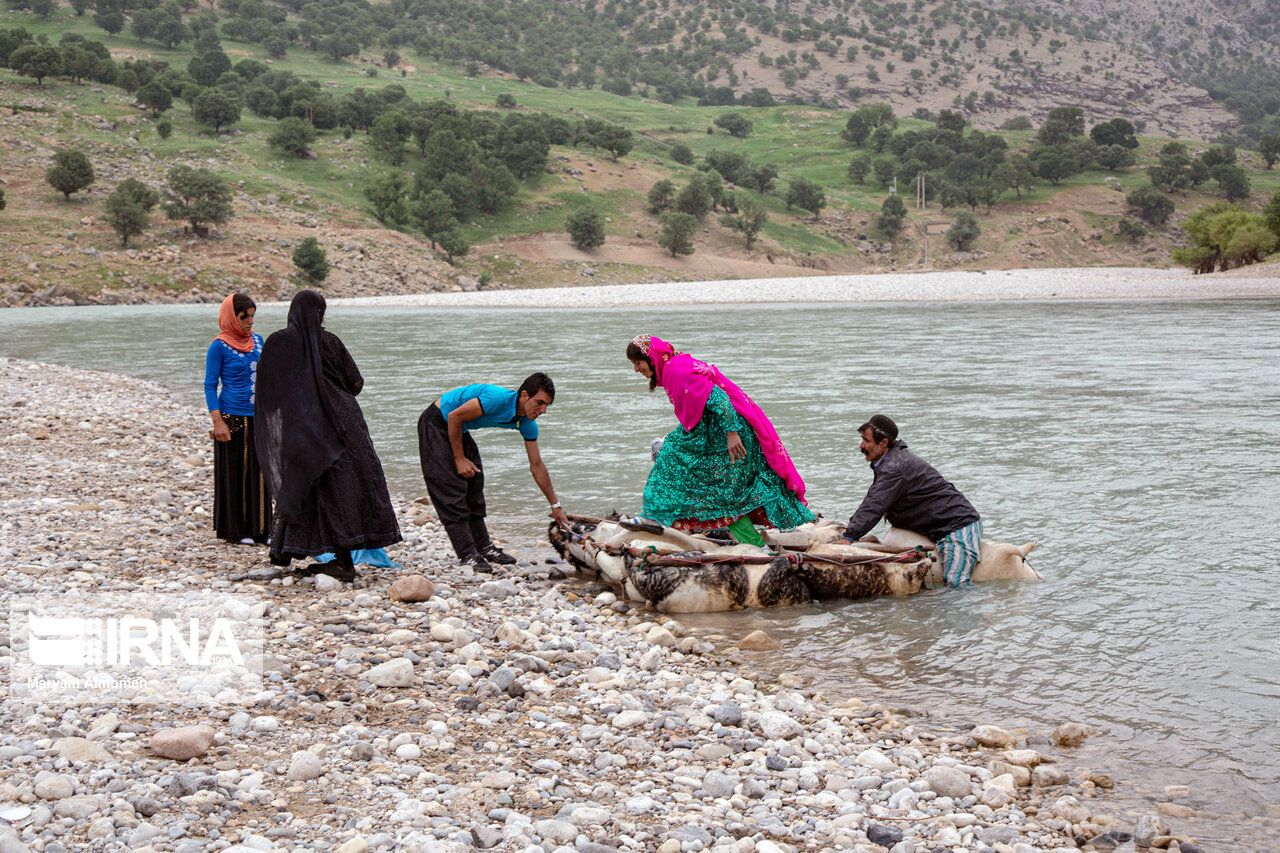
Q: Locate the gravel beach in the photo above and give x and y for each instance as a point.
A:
(995, 285)
(531, 711)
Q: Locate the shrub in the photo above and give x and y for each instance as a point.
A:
(585, 228)
(964, 231)
(310, 258)
(71, 172)
(1151, 204)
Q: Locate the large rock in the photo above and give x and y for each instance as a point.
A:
(1147, 828)
(80, 749)
(393, 673)
(412, 588)
(304, 766)
(948, 782)
(991, 736)
(55, 787)
(776, 725)
(183, 743)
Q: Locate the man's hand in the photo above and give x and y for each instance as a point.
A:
(736, 450)
(465, 468)
(560, 517)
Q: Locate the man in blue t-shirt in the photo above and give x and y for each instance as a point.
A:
(451, 461)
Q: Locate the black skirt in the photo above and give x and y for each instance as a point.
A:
(241, 508)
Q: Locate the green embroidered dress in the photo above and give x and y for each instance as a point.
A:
(693, 484)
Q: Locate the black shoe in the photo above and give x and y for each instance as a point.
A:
(281, 560)
(494, 554)
(478, 563)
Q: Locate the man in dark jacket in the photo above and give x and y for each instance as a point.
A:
(914, 496)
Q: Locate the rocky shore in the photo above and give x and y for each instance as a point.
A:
(530, 711)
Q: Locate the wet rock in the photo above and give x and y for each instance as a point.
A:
(758, 641)
(992, 736)
(1071, 734)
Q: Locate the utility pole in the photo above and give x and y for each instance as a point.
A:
(920, 191)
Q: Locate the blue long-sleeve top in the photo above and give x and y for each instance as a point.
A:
(236, 371)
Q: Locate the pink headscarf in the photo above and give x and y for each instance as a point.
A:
(688, 383)
(232, 335)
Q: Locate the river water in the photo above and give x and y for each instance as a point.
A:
(1135, 442)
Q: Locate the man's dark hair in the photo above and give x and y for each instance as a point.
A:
(881, 428)
(242, 302)
(538, 382)
(634, 353)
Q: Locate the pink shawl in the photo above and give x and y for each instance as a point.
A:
(688, 383)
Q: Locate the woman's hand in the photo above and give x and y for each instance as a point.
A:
(737, 452)
(220, 430)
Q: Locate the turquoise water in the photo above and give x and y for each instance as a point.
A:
(1136, 442)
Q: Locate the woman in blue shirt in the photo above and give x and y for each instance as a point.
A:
(241, 507)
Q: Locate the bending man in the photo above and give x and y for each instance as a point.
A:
(451, 461)
(913, 495)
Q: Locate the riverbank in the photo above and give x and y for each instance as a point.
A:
(1077, 283)
(534, 711)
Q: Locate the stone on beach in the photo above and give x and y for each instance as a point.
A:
(1071, 734)
(182, 743)
(80, 749)
(412, 588)
(992, 736)
(393, 673)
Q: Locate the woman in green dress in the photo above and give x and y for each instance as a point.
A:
(724, 466)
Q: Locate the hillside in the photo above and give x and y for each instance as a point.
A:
(58, 251)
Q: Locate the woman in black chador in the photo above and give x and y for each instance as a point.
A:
(314, 446)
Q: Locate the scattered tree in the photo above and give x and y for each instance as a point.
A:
(199, 196)
(750, 218)
(677, 233)
(695, 199)
(164, 128)
(806, 194)
(1269, 148)
(293, 136)
(310, 258)
(71, 172)
(893, 212)
(155, 96)
(735, 124)
(217, 109)
(129, 207)
(618, 141)
(506, 101)
(1118, 131)
(1112, 157)
(453, 244)
(585, 228)
(682, 154)
(662, 196)
(1131, 229)
(1232, 180)
(433, 213)
(859, 167)
(1151, 204)
(37, 60)
(387, 194)
(964, 231)
(1271, 214)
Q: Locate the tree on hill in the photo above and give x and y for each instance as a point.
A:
(618, 141)
(677, 233)
(37, 60)
(1269, 148)
(216, 109)
(432, 213)
(750, 219)
(2, 201)
(71, 172)
(129, 207)
(734, 124)
(1232, 180)
(1118, 131)
(155, 97)
(292, 136)
(859, 167)
(1174, 169)
(662, 196)
(1112, 157)
(695, 199)
(964, 231)
(387, 193)
(1151, 204)
(310, 258)
(893, 212)
(199, 196)
(453, 244)
(806, 194)
(1271, 214)
(1131, 229)
(585, 228)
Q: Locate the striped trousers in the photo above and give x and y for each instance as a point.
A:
(958, 553)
